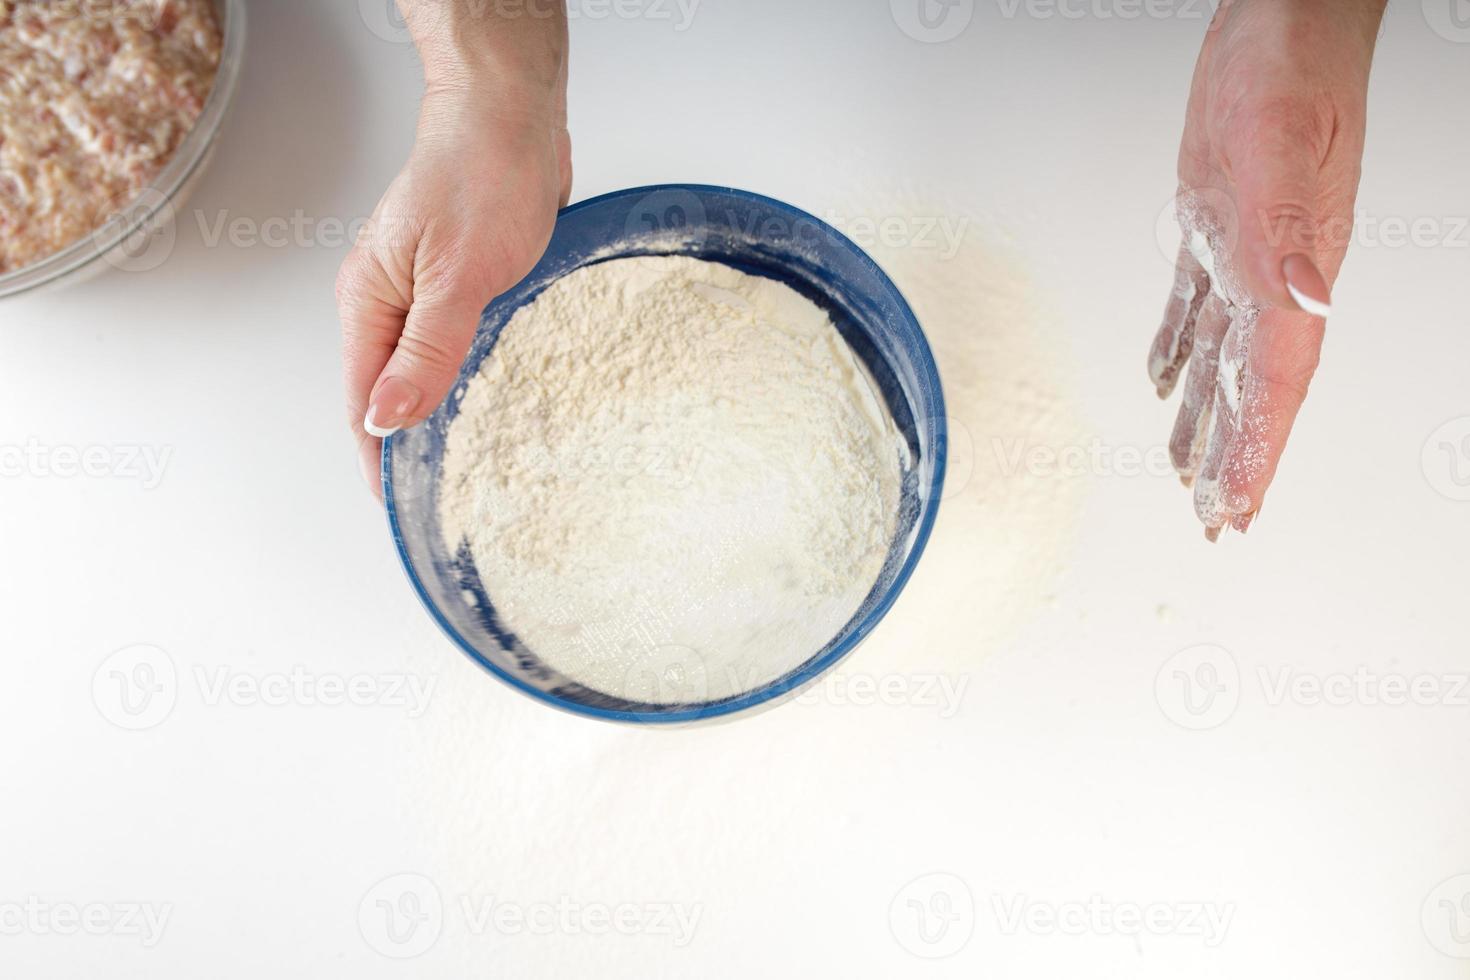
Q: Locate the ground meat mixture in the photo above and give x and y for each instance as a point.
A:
(95, 97)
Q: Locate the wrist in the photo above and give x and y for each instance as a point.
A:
(1363, 18)
(1357, 18)
(518, 48)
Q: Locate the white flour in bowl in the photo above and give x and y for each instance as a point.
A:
(670, 467)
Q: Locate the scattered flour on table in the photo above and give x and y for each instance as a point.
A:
(1006, 525)
(666, 460)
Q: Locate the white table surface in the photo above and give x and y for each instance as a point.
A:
(267, 826)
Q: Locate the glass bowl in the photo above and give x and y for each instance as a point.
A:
(113, 243)
(755, 234)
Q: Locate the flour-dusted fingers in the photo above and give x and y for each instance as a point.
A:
(1284, 350)
(1213, 503)
(1175, 339)
(1207, 503)
(1187, 444)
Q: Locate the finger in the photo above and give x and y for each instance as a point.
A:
(437, 330)
(564, 151)
(1212, 503)
(371, 307)
(1283, 356)
(1175, 339)
(563, 138)
(1187, 444)
(370, 462)
(1277, 154)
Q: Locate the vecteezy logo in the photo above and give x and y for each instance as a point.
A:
(960, 458)
(674, 674)
(1445, 916)
(1198, 687)
(1209, 211)
(671, 213)
(136, 687)
(1450, 19)
(401, 916)
(932, 21)
(383, 18)
(136, 234)
(1446, 459)
(933, 916)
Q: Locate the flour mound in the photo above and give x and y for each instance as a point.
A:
(675, 479)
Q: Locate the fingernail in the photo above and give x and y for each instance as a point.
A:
(392, 405)
(1243, 522)
(1212, 534)
(1306, 285)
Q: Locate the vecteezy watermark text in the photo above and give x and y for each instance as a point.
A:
(1201, 10)
(35, 916)
(1095, 457)
(566, 916)
(1098, 916)
(384, 19)
(941, 693)
(403, 915)
(35, 459)
(137, 688)
(934, 916)
(941, 234)
(1201, 686)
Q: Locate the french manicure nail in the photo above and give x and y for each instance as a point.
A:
(1307, 287)
(392, 405)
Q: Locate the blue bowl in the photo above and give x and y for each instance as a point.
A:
(757, 235)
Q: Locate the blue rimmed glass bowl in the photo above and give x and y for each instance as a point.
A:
(758, 235)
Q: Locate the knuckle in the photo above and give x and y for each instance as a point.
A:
(430, 352)
(460, 268)
(350, 282)
(1288, 224)
(1286, 212)
(1296, 121)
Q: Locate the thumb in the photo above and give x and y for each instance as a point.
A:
(1280, 235)
(437, 334)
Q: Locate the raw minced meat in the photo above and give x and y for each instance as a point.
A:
(95, 97)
